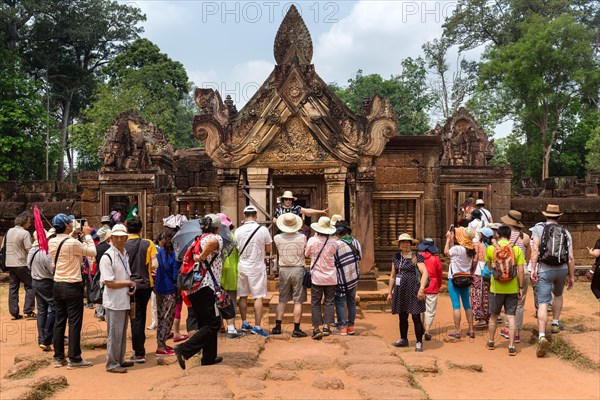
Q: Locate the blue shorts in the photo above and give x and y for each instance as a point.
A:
(551, 281)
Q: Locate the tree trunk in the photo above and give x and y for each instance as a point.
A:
(546, 161)
(63, 137)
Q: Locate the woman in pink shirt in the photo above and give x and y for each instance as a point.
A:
(321, 250)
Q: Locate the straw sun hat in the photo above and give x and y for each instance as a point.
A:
(289, 223)
(552, 210)
(464, 237)
(324, 226)
(405, 237)
(513, 218)
(288, 195)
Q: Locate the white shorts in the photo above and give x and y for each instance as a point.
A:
(254, 283)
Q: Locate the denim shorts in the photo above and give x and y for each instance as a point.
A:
(551, 281)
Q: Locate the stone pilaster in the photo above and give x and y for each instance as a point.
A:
(363, 218)
(335, 181)
(257, 180)
(228, 186)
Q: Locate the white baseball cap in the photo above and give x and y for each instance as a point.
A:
(250, 209)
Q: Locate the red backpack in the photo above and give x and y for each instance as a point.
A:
(503, 265)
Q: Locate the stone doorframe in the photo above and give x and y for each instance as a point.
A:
(450, 190)
(142, 201)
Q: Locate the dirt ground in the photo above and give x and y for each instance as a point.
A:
(364, 366)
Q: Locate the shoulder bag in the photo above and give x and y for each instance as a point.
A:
(3, 266)
(307, 279)
(462, 279)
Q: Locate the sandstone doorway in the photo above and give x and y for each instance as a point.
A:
(309, 189)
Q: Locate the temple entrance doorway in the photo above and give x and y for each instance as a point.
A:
(309, 189)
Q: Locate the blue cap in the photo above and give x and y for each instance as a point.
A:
(487, 232)
(62, 220)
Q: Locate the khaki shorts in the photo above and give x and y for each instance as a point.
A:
(290, 285)
(254, 284)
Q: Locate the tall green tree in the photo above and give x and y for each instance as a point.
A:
(141, 79)
(68, 41)
(22, 121)
(540, 77)
(407, 92)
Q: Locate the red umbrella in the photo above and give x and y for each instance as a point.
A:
(39, 229)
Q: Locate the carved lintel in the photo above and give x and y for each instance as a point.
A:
(307, 171)
(228, 177)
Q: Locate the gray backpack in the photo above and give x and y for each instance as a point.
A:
(554, 245)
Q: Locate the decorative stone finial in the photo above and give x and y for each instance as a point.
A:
(293, 43)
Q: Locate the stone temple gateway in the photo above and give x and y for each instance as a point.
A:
(295, 134)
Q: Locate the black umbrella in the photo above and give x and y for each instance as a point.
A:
(184, 238)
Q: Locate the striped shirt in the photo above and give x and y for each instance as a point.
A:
(347, 265)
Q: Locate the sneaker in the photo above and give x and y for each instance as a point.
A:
(517, 339)
(257, 330)
(164, 353)
(235, 335)
(127, 364)
(217, 360)
(138, 359)
(89, 305)
(555, 328)
(15, 317)
(180, 338)
(31, 315)
(512, 351)
(246, 327)
(401, 343)
(317, 334)
(490, 345)
(419, 347)
(343, 331)
(45, 347)
(151, 327)
(79, 364)
(180, 358)
(168, 347)
(351, 330)
(504, 333)
(299, 333)
(117, 370)
(276, 330)
(326, 331)
(59, 363)
(542, 347)
(427, 337)
(499, 320)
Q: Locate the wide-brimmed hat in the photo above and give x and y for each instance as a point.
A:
(288, 195)
(289, 223)
(49, 233)
(552, 210)
(428, 245)
(464, 237)
(118, 230)
(479, 202)
(513, 218)
(105, 220)
(103, 233)
(405, 237)
(323, 226)
(335, 218)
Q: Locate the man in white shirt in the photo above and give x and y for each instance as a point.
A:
(18, 243)
(115, 275)
(253, 243)
(486, 216)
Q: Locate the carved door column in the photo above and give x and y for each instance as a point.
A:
(335, 181)
(228, 186)
(257, 180)
(363, 217)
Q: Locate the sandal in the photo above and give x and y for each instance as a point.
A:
(455, 335)
(471, 335)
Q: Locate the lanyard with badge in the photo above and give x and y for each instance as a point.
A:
(124, 262)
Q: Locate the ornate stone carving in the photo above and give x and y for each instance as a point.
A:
(132, 144)
(293, 44)
(464, 141)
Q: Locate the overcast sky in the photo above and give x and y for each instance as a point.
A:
(228, 45)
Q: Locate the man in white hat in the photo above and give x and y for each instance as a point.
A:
(115, 275)
(287, 206)
(552, 265)
(486, 216)
(253, 243)
(290, 248)
(42, 281)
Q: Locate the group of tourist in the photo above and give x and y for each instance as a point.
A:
(491, 268)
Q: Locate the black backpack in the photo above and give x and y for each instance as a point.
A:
(554, 245)
(96, 288)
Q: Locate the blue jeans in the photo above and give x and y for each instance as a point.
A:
(349, 300)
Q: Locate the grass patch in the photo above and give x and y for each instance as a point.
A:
(412, 380)
(565, 351)
(45, 390)
(28, 370)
